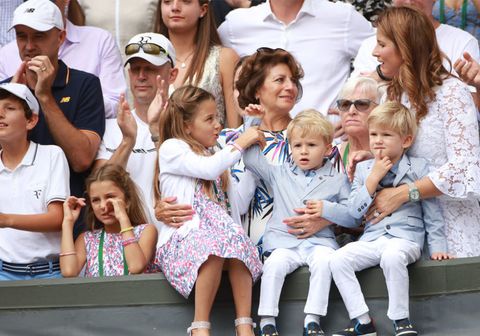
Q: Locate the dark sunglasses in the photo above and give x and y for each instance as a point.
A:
(361, 105)
(148, 48)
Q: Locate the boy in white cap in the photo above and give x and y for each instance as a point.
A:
(130, 139)
(34, 180)
(72, 114)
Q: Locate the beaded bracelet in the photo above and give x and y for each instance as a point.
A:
(126, 242)
(130, 228)
(237, 146)
(64, 254)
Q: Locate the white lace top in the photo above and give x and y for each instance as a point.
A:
(448, 137)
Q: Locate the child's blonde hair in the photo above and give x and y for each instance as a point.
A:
(117, 175)
(311, 122)
(181, 109)
(394, 116)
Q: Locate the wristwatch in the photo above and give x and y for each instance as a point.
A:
(413, 193)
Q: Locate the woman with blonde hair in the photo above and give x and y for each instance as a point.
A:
(200, 58)
(448, 134)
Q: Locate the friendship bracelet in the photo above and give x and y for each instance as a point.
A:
(130, 228)
(129, 241)
(237, 146)
(64, 254)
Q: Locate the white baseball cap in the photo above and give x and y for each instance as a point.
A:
(22, 92)
(152, 47)
(41, 15)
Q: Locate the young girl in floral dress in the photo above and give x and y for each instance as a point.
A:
(118, 242)
(194, 253)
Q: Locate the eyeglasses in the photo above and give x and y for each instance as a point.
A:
(148, 48)
(361, 105)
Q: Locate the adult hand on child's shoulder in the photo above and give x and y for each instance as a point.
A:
(170, 213)
(441, 256)
(305, 225)
(355, 158)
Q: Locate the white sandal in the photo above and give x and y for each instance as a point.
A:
(245, 320)
(198, 325)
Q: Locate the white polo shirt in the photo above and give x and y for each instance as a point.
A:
(41, 178)
(142, 160)
(451, 40)
(324, 37)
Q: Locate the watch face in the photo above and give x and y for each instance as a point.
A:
(414, 195)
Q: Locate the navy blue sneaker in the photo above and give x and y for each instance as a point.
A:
(269, 330)
(357, 329)
(313, 329)
(404, 328)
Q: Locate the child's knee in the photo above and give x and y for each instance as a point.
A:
(338, 261)
(275, 266)
(393, 258)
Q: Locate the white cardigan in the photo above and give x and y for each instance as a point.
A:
(180, 167)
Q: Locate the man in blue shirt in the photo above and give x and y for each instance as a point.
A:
(72, 113)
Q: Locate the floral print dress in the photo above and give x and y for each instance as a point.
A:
(181, 257)
(112, 252)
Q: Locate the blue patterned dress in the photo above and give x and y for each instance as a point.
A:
(181, 257)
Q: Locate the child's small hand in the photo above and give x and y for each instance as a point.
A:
(119, 208)
(314, 207)
(251, 136)
(441, 256)
(381, 167)
(254, 110)
(71, 208)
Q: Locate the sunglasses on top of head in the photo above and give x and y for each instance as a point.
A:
(148, 48)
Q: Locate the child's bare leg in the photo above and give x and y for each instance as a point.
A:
(208, 280)
(241, 282)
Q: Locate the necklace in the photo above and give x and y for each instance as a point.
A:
(183, 64)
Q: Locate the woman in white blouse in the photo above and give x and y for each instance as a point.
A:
(448, 134)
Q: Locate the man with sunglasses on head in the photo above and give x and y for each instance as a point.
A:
(72, 113)
(131, 139)
(89, 49)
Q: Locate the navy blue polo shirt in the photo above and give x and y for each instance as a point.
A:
(79, 96)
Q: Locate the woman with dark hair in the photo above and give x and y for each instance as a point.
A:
(448, 128)
(200, 58)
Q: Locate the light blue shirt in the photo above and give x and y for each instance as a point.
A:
(291, 187)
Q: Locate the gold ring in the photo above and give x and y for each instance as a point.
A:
(44, 68)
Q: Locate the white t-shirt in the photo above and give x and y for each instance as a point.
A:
(41, 178)
(142, 160)
(451, 40)
(324, 37)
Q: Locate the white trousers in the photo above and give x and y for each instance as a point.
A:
(393, 255)
(284, 261)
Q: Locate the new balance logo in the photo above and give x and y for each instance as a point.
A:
(29, 10)
(65, 100)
